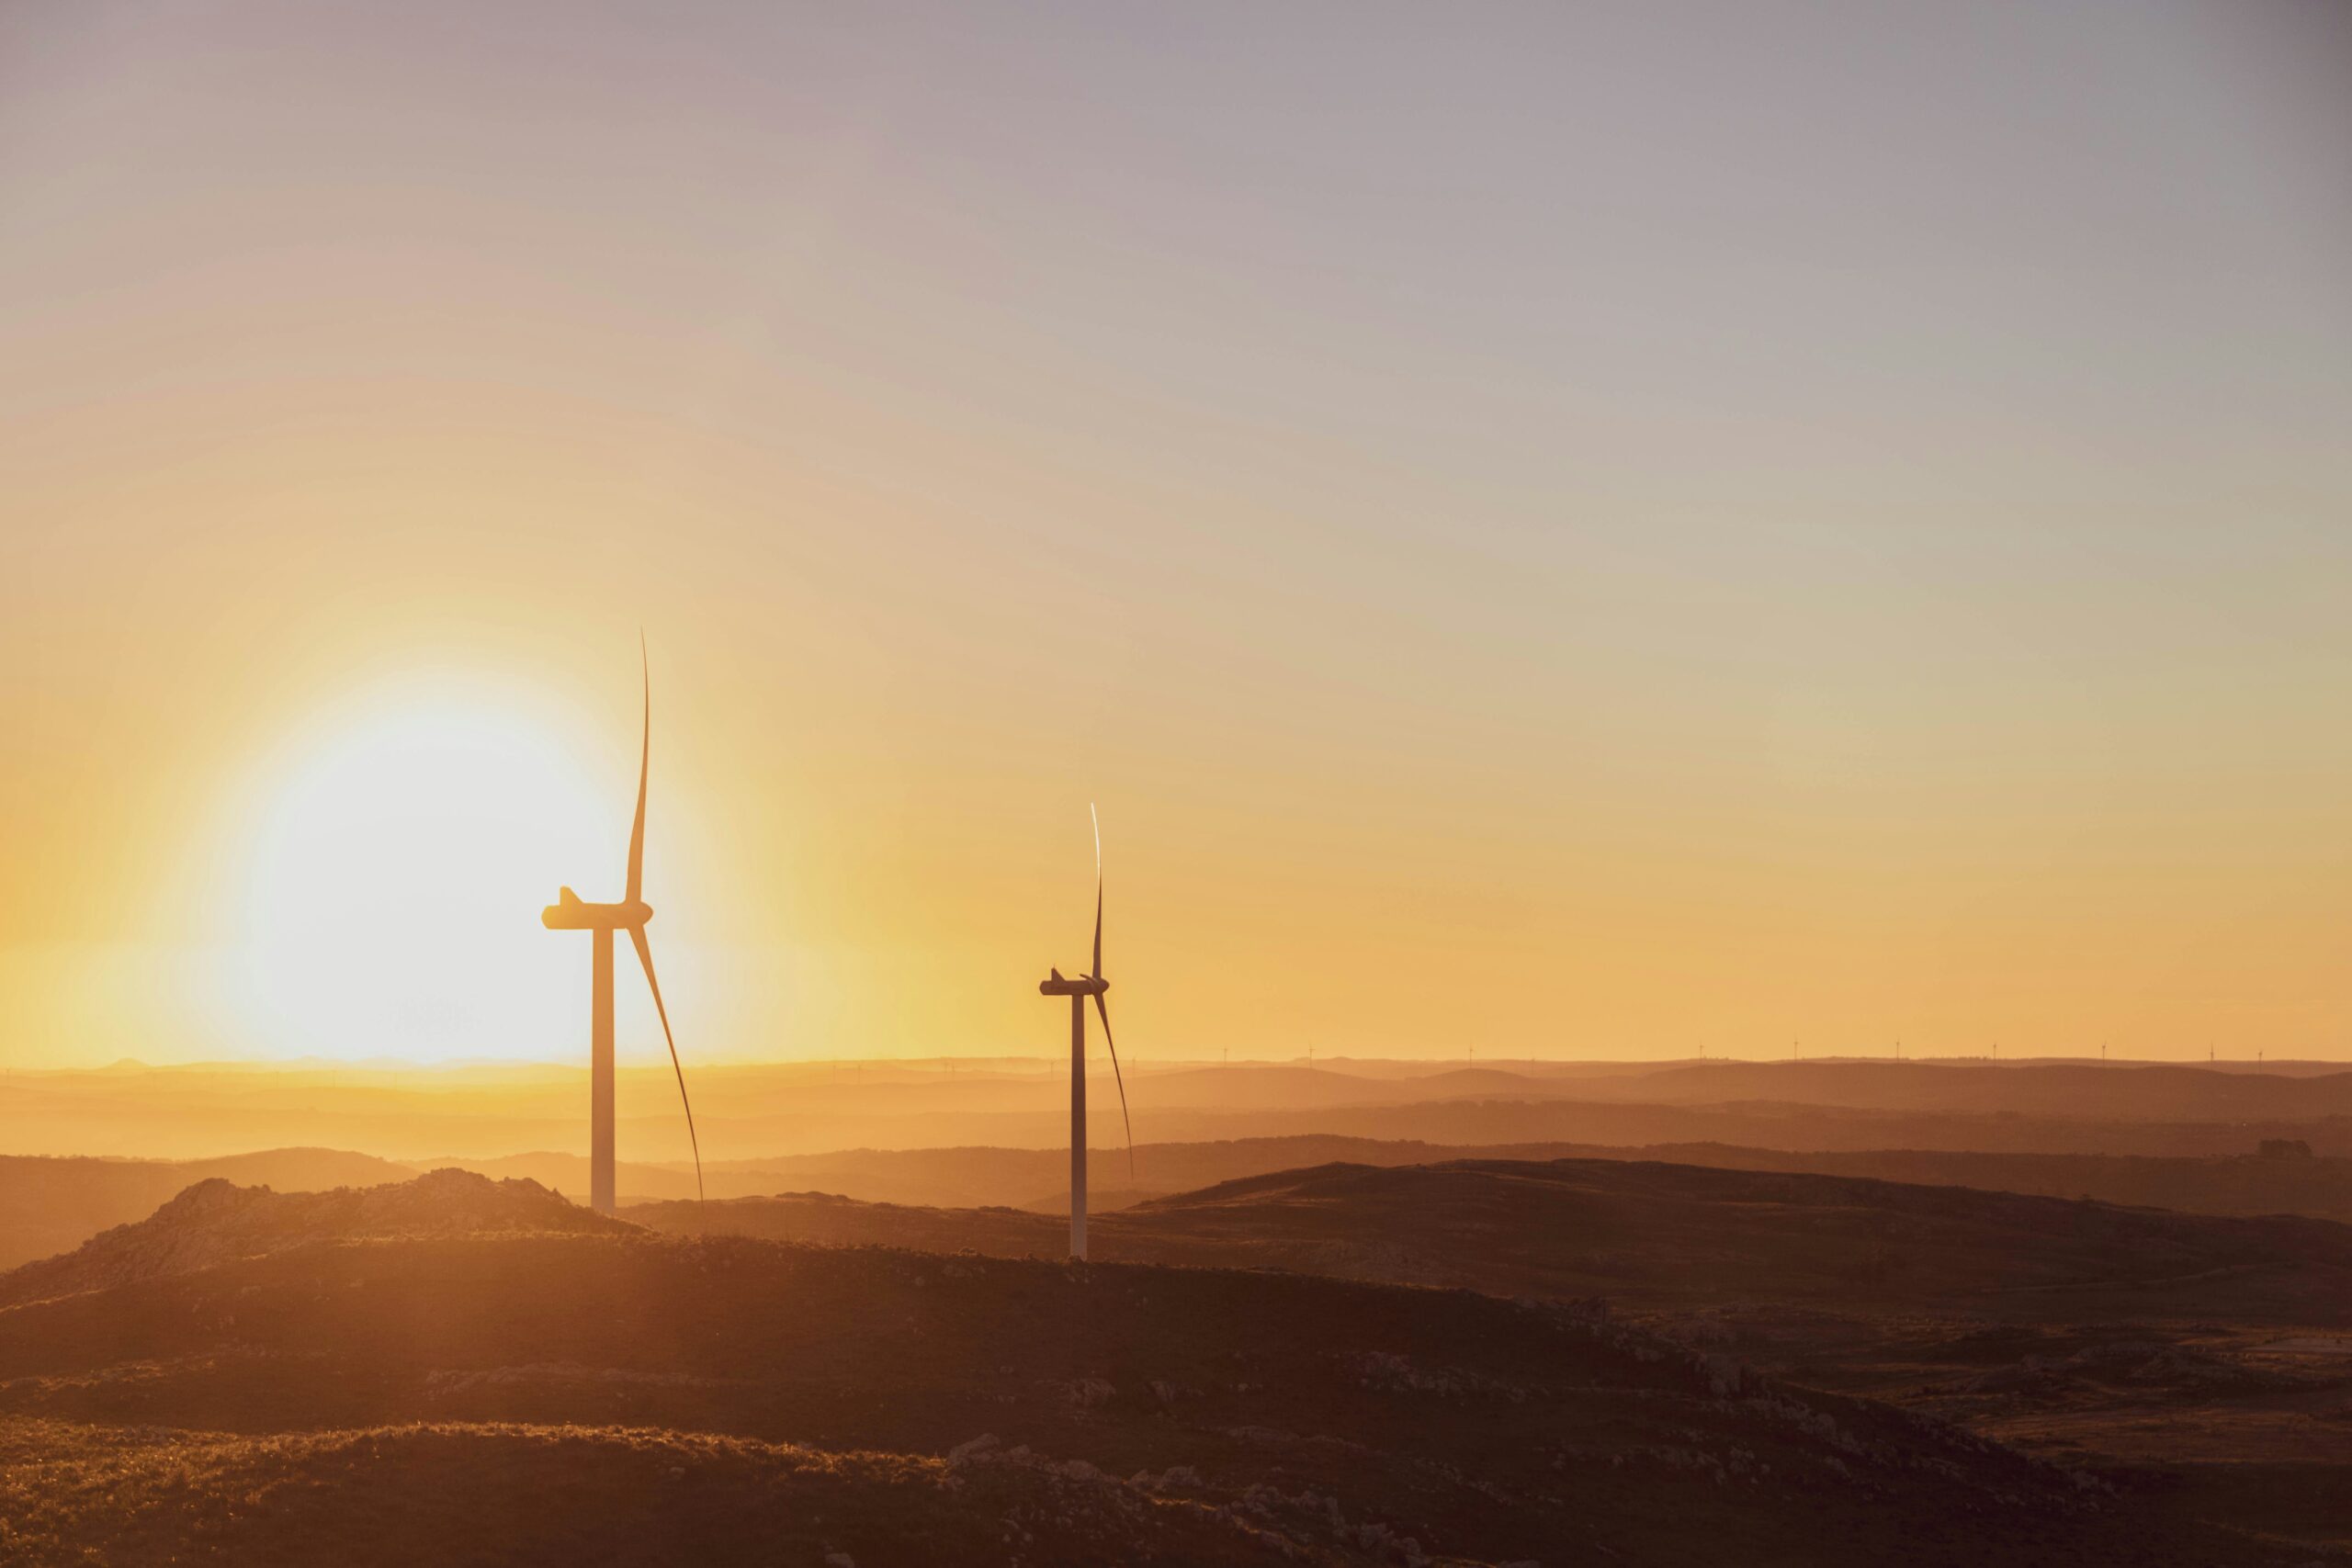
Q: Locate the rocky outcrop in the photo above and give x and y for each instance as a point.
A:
(218, 1222)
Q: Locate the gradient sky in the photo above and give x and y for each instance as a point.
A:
(1611, 529)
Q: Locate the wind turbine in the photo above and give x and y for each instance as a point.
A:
(1088, 985)
(568, 913)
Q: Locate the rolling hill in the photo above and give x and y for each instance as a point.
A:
(469, 1396)
(2240, 1183)
(2202, 1360)
(49, 1205)
(217, 1221)
(510, 1492)
(1653, 1234)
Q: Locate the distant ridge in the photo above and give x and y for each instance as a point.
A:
(1649, 1232)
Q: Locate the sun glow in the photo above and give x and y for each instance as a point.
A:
(395, 878)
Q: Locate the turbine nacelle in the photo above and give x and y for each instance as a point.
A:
(1084, 985)
(569, 912)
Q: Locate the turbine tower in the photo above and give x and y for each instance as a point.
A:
(568, 913)
(1093, 985)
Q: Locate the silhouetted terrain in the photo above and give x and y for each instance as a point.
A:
(605, 1392)
(1906, 1232)
(2205, 1358)
(1654, 1234)
(2124, 1091)
(2239, 1184)
(2211, 1184)
(48, 1204)
(1756, 1124)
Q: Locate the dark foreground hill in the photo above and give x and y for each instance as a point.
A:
(516, 1493)
(2203, 1359)
(615, 1396)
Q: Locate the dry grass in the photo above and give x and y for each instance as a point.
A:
(619, 1396)
(463, 1493)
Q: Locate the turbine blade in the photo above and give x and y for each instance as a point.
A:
(1097, 970)
(1121, 1080)
(644, 756)
(645, 957)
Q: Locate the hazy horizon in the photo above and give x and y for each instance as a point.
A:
(1058, 1062)
(753, 1113)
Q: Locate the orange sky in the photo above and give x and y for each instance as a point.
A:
(1593, 534)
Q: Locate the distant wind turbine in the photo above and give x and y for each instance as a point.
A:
(568, 913)
(1090, 984)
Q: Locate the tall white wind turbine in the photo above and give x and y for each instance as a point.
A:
(568, 913)
(1093, 985)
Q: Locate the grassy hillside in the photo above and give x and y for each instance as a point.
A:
(1331, 1420)
(2203, 1362)
(506, 1492)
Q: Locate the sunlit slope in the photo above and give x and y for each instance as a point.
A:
(216, 1221)
(49, 1205)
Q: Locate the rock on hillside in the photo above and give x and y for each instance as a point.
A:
(217, 1222)
(53, 1204)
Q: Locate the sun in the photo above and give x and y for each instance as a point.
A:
(395, 874)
